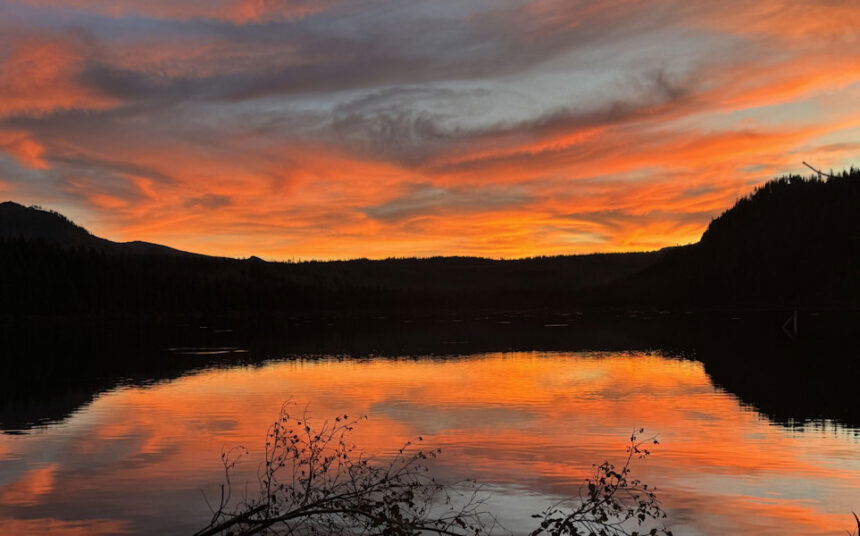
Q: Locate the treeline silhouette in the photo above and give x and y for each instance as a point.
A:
(41, 276)
(53, 366)
(17, 221)
(794, 242)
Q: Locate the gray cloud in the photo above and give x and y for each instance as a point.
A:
(388, 109)
(403, 82)
(424, 199)
(83, 162)
(210, 201)
(621, 219)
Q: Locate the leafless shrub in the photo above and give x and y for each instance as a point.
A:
(314, 481)
(611, 504)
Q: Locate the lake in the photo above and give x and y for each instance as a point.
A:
(137, 457)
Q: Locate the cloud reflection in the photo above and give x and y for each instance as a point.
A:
(528, 424)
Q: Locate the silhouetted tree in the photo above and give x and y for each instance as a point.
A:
(314, 481)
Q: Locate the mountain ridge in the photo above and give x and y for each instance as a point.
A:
(795, 241)
(36, 223)
(66, 233)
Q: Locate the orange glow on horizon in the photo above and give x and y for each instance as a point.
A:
(300, 130)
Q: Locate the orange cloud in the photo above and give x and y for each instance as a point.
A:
(40, 76)
(308, 140)
(24, 148)
(807, 23)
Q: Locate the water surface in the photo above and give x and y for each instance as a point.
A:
(138, 460)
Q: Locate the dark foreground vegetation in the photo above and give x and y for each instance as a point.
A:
(794, 242)
(314, 481)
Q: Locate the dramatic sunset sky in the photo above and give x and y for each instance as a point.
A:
(373, 128)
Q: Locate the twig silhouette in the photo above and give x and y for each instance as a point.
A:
(818, 171)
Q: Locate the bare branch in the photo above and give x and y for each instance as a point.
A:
(818, 171)
(314, 482)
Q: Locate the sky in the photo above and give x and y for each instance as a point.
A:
(324, 129)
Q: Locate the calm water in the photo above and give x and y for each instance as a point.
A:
(137, 460)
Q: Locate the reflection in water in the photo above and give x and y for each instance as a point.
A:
(528, 424)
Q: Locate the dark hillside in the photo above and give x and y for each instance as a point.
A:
(48, 265)
(18, 221)
(35, 223)
(794, 241)
(37, 277)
